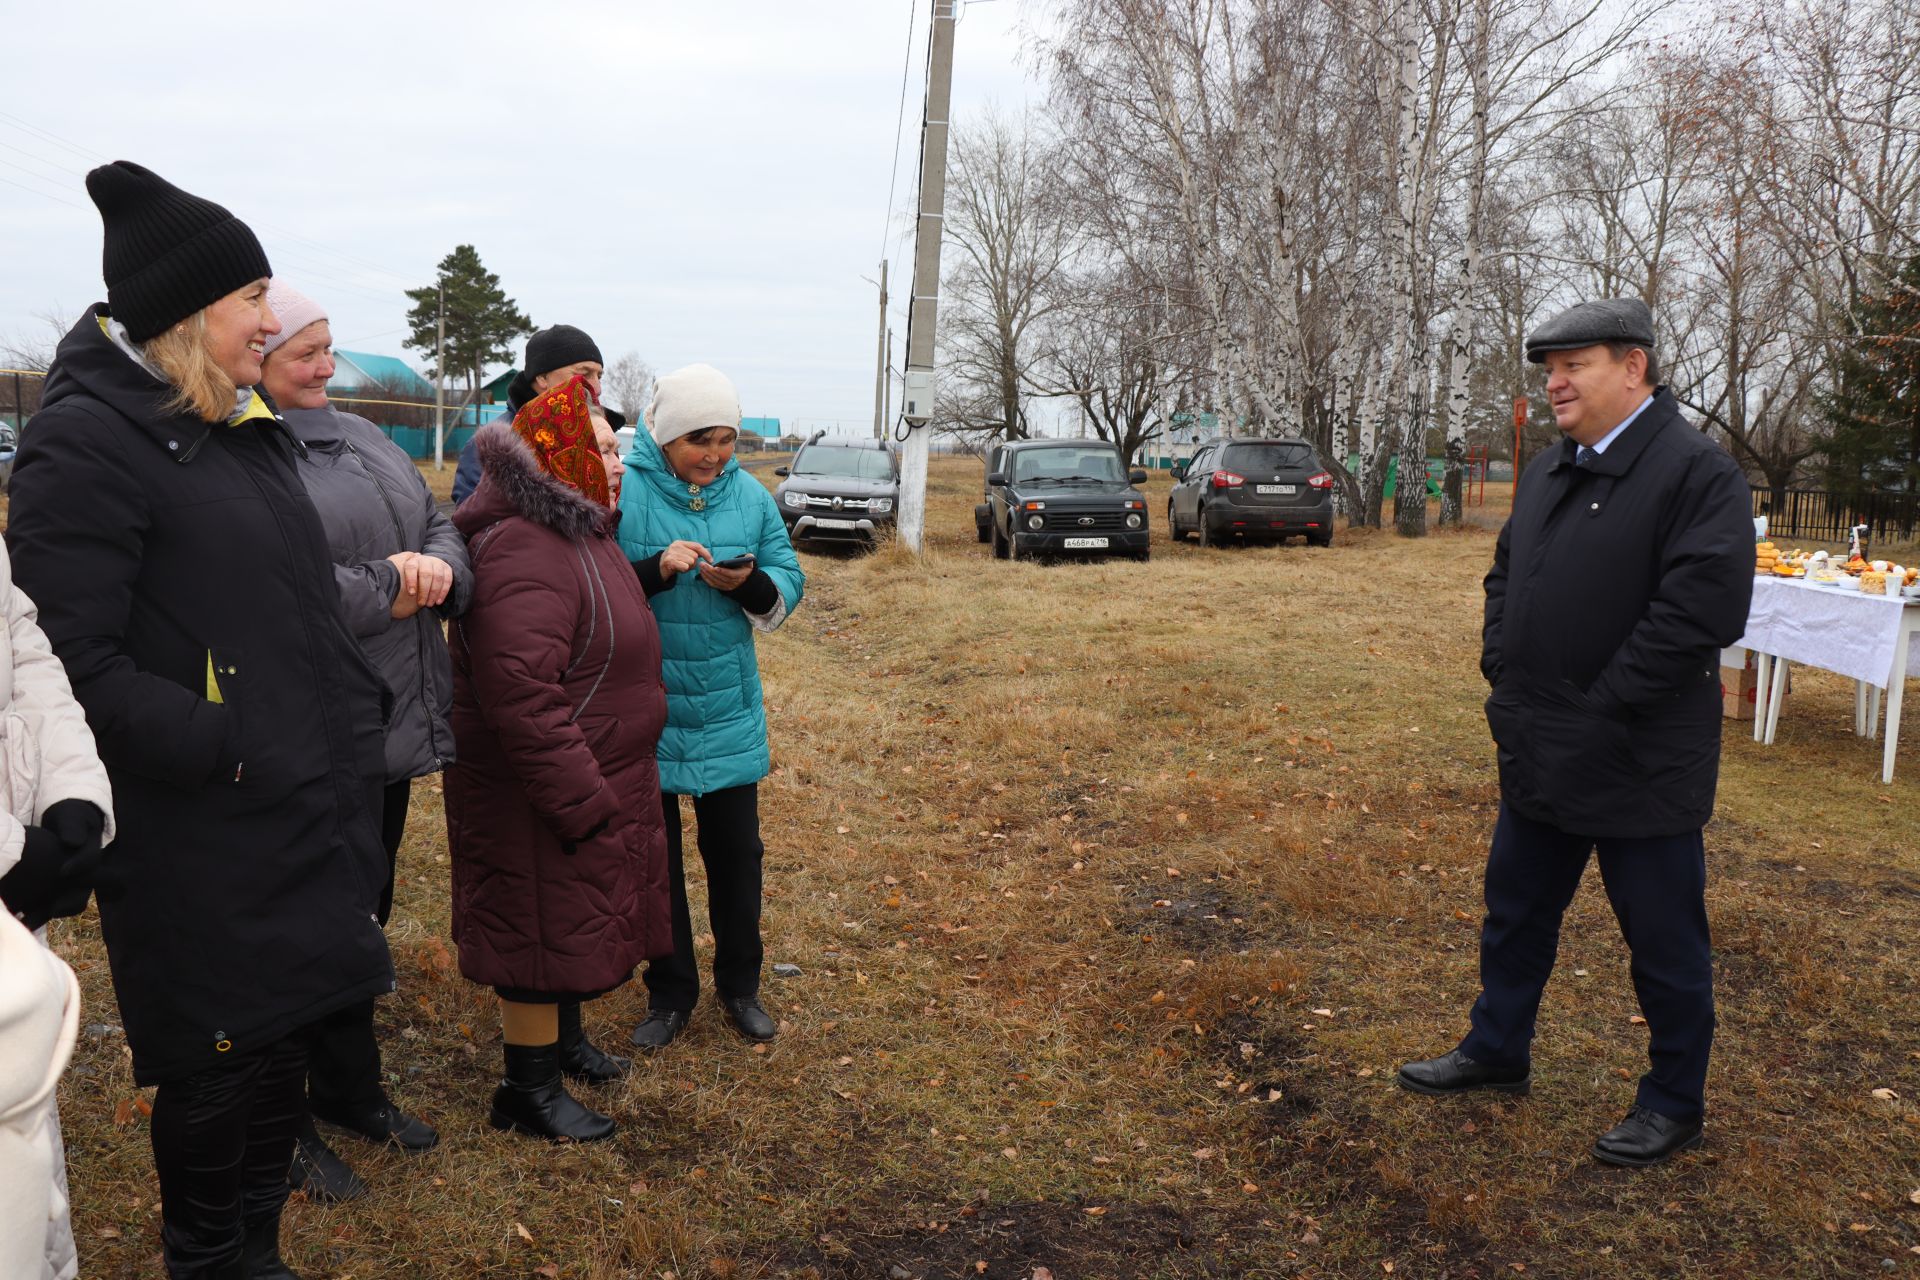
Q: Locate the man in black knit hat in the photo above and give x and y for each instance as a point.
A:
(553, 355)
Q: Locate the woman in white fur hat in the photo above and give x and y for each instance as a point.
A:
(713, 553)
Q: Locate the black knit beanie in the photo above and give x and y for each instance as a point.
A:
(558, 347)
(168, 254)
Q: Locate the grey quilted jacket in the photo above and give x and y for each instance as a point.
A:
(374, 503)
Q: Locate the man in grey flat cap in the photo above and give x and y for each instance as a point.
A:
(1625, 567)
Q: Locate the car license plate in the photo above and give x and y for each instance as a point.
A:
(1082, 544)
(827, 522)
(1285, 489)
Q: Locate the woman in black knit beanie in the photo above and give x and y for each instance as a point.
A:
(184, 581)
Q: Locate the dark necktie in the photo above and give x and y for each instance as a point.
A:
(1585, 457)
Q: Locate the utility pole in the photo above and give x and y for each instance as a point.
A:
(880, 361)
(440, 386)
(917, 399)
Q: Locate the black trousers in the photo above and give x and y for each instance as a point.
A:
(222, 1141)
(343, 1071)
(1657, 886)
(729, 836)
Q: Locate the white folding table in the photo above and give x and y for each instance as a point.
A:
(1867, 638)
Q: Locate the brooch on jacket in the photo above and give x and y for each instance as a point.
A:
(699, 503)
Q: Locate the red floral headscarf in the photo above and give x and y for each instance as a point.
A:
(558, 426)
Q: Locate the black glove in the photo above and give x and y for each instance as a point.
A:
(572, 846)
(29, 889)
(55, 875)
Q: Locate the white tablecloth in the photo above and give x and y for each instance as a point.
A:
(1826, 627)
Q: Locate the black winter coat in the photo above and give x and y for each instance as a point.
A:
(374, 504)
(184, 581)
(1612, 591)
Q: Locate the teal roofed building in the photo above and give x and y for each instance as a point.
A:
(358, 372)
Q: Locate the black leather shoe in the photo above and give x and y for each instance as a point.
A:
(1457, 1073)
(531, 1100)
(579, 1058)
(386, 1125)
(261, 1253)
(749, 1019)
(1647, 1138)
(659, 1028)
(319, 1173)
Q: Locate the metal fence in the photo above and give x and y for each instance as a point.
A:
(1826, 515)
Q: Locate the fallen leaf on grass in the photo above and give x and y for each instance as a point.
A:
(123, 1113)
(1637, 1020)
(550, 1270)
(1096, 1211)
(1859, 1226)
(1203, 1153)
(1885, 1095)
(1913, 1196)
(520, 1229)
(108, 1233)
(1043, 1273)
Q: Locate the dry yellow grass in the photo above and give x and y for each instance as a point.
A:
(1119, 891)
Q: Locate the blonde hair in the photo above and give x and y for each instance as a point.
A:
(184, 357)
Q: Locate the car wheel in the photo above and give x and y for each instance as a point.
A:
(999, 542)
(1143, 555)
(1173, 525)
(1200, 524)
(1320, 539)
(985, 531)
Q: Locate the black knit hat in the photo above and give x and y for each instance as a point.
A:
(558, 347)
(168, 254)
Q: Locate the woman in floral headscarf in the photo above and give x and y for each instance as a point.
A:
(559, 857)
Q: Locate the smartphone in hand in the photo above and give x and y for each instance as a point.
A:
(746, 561)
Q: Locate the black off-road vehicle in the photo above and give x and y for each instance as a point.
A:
(1061, 497)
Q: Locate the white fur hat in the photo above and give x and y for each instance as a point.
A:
(295, 310)
(689, 400)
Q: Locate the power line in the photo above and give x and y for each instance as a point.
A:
(37, 191)
(899, 121)
(73, 148)
(92, 157)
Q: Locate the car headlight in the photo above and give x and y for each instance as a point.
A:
(1133, 520)
(1036, 521)
(880, 506)
(794, 499)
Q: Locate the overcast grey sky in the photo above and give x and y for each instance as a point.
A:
(691, 181)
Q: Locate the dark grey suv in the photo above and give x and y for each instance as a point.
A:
(1252, 489)
(839, 490)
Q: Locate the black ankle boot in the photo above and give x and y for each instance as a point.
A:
(579, 1059)
(262, 1252)
(531, 1100)
(318, 1172)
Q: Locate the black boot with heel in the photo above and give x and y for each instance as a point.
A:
(531, 1100)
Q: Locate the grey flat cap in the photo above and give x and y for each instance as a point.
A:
(1590, 324)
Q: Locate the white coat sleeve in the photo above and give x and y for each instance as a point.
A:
(68, 764)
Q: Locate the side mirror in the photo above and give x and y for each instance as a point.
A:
(781, 471)
(1179, 471)
(996, 478)
(1136, 476)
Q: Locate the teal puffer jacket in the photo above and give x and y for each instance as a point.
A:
(716, 735)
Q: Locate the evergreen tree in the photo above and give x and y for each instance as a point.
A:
(482, 321)
(1873, 414)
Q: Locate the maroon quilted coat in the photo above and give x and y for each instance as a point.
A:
(557, 704)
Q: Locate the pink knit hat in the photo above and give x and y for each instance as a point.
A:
(295, 310)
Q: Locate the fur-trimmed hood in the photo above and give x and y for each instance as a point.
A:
(512, 484)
